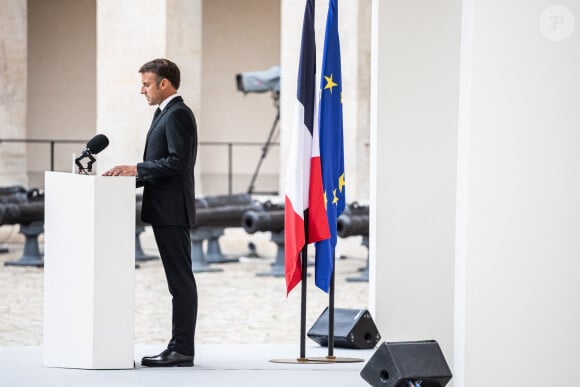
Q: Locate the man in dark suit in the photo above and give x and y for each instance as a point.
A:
(169, 200)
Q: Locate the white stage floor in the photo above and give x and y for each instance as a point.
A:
(216, 365)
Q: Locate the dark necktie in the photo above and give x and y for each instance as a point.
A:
(157, 112)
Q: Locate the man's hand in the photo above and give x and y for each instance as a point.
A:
(122, 170)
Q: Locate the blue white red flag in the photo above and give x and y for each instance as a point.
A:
(303, 197)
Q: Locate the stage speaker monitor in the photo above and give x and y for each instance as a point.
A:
(395, 364)
(353, 328)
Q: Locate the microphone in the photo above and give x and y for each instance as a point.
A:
(93, 147)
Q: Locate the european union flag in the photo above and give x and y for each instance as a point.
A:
(331, 145)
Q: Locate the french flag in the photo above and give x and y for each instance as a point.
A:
(304, 193)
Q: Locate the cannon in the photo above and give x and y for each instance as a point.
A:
(213, 215)
(268, 217)
(21, 206)
(21, 213)
(13, 194)
(349, 225)
(224, 216)
(271, 218)
(254, 221)
(267, 206)
(16, 194)
(355, 221)
(30, 216)
(223, 200)
(11, 190)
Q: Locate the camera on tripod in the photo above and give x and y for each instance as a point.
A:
(260, 82)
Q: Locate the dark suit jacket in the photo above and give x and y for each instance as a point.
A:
(167, 168)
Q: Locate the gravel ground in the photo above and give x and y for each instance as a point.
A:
(235, 305)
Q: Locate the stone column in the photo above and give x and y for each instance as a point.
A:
(475, 185)
(355, 40)
(13, 68)
(127, 38)
(414, 96)
(519, 194)
(184, 47)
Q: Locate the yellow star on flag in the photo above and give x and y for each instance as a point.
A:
(335, 200)
(341, 182)
(325, 199)
(329, 83)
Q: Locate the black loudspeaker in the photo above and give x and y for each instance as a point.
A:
(353, 328)
(395, 364)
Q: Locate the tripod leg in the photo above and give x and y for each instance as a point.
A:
(264, 152)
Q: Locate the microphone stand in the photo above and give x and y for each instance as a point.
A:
(89, 167)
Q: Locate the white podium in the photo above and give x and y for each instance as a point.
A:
(89, 271)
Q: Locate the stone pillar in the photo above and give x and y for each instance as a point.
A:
(414, 95)
(127, 38)
(474, 185)
(184, 47)
(518, 196)
(354, 18)
(63, 105)
(13, 68)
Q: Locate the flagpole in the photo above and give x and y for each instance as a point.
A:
(331, 312)
(304, 275)
(304, 262)
(331, 145)
(301, 197)
(330, 358)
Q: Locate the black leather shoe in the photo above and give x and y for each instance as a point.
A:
(168, 358)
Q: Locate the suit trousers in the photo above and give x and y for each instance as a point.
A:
(174, 246)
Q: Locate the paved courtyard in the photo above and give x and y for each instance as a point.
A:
(235, 305)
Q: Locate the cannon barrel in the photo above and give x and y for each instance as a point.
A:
(353, 221)
(21, 213)
(254, 221)
(215, 201)
(223, 200)
(349, 225)
(270, 206)
(224, 216)
(356, 209)
(12, 190)
(17, 194)
(217, 211)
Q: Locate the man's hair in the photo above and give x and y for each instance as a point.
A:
(163, 68)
